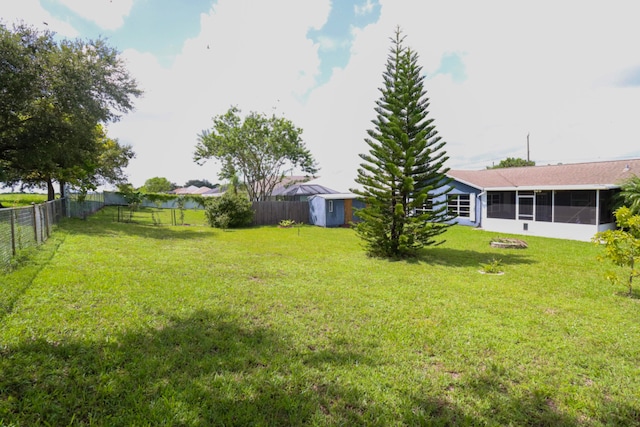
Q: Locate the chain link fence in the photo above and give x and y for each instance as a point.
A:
(24, 227)
(83, 205)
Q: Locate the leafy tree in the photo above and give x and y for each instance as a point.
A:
(512, 162)
(132, 196)
(231, 210)
(60, 92)
(200, 183)
(158, 185)
(622, 246)
(103, 162)
(630, 194)
(113, 158)
(405, 164)
(261, 149)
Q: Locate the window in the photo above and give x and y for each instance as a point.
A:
(501, 204)
(544, 206)
(330, 205)
(459, 205)
(607, 204)
(426, 207)
(575, 206)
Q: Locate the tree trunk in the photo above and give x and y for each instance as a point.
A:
(631, 276)
(51, 192)
(62, 194)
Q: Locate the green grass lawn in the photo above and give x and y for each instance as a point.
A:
(134, 324)
(11, 200)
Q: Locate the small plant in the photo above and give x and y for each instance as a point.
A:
(286, 223)
(156, 219)
(622, 247)
(494, 266)
(180, 201)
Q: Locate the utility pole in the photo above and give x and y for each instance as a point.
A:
(527, 147)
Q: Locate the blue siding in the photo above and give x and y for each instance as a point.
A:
(474, 194)
(317, 209)
(320, 214)
(335, 218)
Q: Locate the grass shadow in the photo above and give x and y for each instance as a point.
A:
(110, 228)
(634, 294)
(206, 369)
(509, 405)
(468, 258)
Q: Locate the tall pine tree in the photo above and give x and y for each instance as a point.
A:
(403, 174)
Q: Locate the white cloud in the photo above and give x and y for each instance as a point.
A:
(30, 12)
(546, 68)
(530, 68)
(364, 9)
(528, 71)
(249, 54)
(107, 14)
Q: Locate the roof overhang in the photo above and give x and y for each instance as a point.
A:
(555, 187)
(336, 196)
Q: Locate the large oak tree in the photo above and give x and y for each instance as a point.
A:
(54, 94)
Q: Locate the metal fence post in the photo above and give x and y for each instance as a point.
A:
(35, 222)
(13, 231)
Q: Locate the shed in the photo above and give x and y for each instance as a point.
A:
(334, 210)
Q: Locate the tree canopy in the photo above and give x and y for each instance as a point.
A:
(630, 194)
(512, 162)
(158, 185)
(261, 149)
(200, 183)
(403, 174)
(53, 96)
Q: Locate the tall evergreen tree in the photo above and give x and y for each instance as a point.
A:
(403, 175)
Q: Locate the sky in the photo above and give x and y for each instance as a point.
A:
(563, 76)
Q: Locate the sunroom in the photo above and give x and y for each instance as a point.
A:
(569, 201)
(565, 213)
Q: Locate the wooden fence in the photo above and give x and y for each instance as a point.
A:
(271, 213)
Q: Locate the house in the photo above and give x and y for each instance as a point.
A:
(334, 210)
(192, 189)
(569, 201)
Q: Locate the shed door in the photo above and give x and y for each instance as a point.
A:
(348, 211)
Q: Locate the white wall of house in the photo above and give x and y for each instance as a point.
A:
(559, 230)
(583, 232)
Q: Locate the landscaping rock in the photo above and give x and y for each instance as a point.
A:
(508, 243)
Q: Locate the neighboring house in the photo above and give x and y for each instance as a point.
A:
(213, 192)
(334, 210)
(569, 201)
(192, 189)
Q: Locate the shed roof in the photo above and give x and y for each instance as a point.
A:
(609, 174)
(337, 196)
(302, 190)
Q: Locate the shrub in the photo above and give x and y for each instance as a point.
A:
(622, 247)
(494, 266)
(229, 211)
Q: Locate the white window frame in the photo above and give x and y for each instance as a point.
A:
(462, 205)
